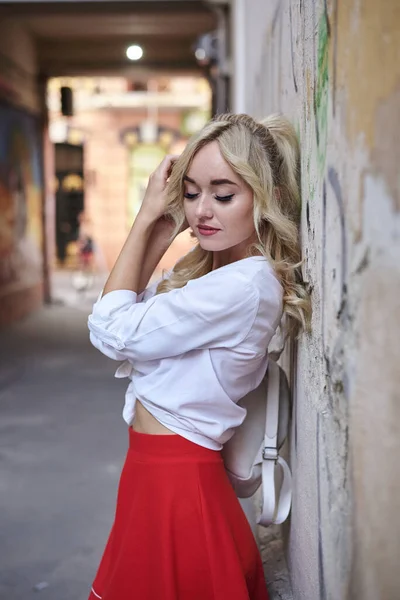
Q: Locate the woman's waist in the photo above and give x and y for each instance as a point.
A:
(168, 448)
(206, 422)
(145, 422)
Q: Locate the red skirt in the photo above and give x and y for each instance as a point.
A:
(179, 531)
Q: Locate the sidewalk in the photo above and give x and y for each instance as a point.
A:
(62, 444)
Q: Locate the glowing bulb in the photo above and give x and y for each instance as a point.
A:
(134, 52)
(200, 54)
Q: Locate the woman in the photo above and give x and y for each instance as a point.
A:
(193, 345)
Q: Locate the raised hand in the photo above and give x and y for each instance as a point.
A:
(155, 200)
(149, 238)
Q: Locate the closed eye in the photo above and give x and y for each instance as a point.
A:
(190, 196)
(224, 198)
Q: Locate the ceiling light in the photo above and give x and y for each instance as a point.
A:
(200, 54)
(134, 52)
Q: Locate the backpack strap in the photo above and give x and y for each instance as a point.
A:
(273, 511)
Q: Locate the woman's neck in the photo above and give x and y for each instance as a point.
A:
(233, 254)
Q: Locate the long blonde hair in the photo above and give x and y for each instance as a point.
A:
(266, 156)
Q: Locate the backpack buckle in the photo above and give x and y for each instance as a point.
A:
(269, 453)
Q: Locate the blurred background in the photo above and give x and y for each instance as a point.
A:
(92, 95)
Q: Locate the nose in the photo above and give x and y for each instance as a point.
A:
(204, 208)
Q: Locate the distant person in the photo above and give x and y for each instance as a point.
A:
(194, 344)
(85, 244)
(86, 251)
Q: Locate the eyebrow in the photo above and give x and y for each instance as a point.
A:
(213, 181)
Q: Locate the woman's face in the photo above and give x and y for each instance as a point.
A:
(218, 206)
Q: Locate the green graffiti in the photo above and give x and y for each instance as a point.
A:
(321, 90)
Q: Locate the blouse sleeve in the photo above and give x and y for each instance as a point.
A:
(149, 292)
(213, 311)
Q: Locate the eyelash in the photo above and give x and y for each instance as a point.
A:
(219, 198)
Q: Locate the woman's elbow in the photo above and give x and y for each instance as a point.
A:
(106, 349)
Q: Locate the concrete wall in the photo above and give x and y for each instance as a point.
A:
(334, 68)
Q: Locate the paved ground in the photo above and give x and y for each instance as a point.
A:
(62, 444)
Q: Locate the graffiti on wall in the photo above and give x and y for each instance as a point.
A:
(322, 64)
(20, 200)
(332, 416)
(321, 83)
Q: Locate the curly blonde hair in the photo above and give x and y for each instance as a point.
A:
(266, 156)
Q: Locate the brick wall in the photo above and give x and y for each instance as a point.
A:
(17, 304)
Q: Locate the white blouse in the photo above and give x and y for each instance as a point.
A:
(192, 353)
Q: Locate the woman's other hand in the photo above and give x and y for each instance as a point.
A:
(155, 199)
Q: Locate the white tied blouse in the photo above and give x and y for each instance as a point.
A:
(192, 353)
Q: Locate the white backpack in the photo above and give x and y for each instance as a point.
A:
(251, 456)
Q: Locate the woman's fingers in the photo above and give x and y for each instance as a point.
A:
(166, 165)
(171, 157)
(154, 201)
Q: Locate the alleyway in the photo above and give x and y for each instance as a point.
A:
(62, 446)
(92, 94)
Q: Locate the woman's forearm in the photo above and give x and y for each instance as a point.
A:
(142, 251)
(127, 271)
(158, 244)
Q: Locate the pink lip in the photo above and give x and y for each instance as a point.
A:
(207, 230)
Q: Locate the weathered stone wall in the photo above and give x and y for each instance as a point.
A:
(333, 67)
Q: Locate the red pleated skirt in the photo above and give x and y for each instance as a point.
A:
(179, 531)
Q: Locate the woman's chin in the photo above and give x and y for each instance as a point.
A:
(207, 244)
(211, 246)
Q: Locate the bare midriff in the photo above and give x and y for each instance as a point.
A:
(144, 422)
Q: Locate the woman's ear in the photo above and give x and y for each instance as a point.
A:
(277, 193)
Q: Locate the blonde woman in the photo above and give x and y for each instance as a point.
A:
(193, 345)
